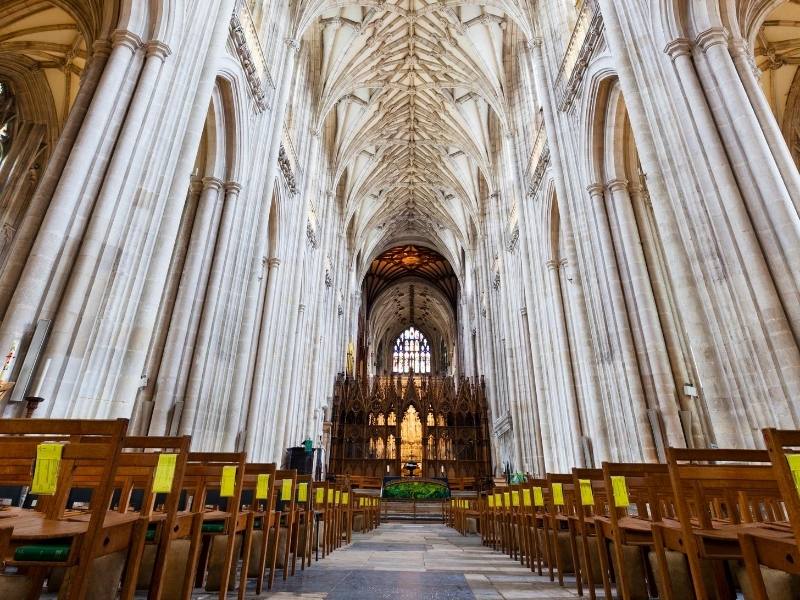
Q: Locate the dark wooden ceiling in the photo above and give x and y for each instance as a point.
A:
(410, 261)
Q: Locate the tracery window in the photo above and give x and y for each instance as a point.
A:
(411, 351)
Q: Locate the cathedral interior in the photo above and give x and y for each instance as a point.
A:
(400, 299)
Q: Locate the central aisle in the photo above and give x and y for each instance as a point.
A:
(416, 562)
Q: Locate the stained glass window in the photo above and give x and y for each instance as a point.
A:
(411, 351)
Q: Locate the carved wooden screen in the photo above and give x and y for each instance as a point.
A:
(367, 425)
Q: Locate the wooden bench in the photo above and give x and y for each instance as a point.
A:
(83, 537)
(212, 486)
(775, 545)
(718, 494)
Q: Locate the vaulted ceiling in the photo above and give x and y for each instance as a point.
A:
(416, 90)
(402, 262)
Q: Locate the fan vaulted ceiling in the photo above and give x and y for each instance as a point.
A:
(416, 90)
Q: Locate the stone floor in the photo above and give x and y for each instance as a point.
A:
(415, 562)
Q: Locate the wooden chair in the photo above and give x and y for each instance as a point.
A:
(149, 479)
(212, 486)
(286, 486)
(537, 526)
(591, 502)
(559, 496)
(776, 545)
(258, 498)
(715, 502)
(305, 521)
(638, 495)
(78, 447)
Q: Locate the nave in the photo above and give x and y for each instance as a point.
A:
(408, 561)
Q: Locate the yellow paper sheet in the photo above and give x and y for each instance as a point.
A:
(330, 495)
(48, 463)
(491, 501)
(165, 473)
(515, 498)
(262, 486)
(286, 490)
(228, 482)
(538, 496)
(587, 496)
(302, 492)
(526, 497)
(558, 494)
(620, 488)
(794, 466)
(345, 498)
(320, 495)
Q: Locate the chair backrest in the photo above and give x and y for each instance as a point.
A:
(647, 487)
(285, 489)
(733, 486)
(258, 486)
(589, 487)
(783, 447)
(89, 448)
(139, 466)
(208, 479)
(559, 494)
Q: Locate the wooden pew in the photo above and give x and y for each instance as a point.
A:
(715, 502)
(212, 484)
(591, 502)
(775, 545)
(559, 497)
(286, 485)
(639, 494)
(259, 499)
(84, 447)
(136, 473)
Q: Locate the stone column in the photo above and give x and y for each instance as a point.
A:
(26, 234)
(191, 293)
(629, 368)
(261, 368)
(576, 291)
(722, 412)
(564, 361)
(647, 312)
(201, 373)
(39, 275)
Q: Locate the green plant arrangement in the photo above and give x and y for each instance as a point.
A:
(416, 490)
(518, 477)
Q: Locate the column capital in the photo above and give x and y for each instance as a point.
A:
(301, 308)
(617, 185)
(274, 263)
(158, 49)
(233, 187)
(677, 48)
(212, 183)
(711, 37)
(552, 265)
(122, 37)
(195, 185)
(596, 189)
(292, 44)
(101, 48)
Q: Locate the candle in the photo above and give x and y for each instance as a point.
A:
(8, 364)
(42, 378)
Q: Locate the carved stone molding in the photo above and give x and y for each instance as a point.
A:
(286, 169)
(251, 58)
(311, 234)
